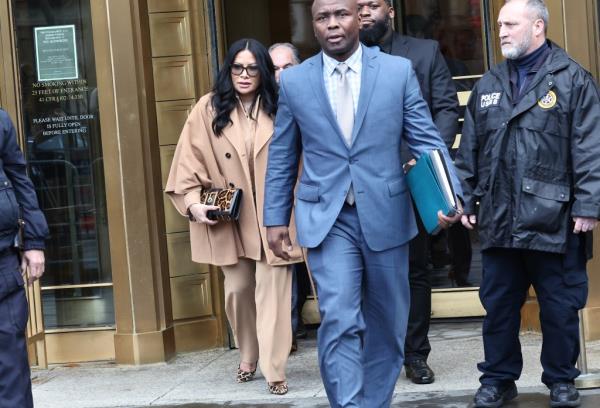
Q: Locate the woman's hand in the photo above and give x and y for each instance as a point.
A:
(199, 211)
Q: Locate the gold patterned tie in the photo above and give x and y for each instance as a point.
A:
(345, 113)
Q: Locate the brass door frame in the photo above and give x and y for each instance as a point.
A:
(142, 301)
(143, 317)
(40, 352)
(9, 78)
(36, 335)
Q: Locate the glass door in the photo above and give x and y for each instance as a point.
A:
(460, 27)
(62, 142)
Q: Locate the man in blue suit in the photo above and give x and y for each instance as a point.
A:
(345, 111)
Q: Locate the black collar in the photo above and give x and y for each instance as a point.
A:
(388, 44)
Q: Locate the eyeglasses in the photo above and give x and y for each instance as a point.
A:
(238, 69)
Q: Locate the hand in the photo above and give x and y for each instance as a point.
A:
(409, 165)
(583, 224)
(445, 221)
(199, 213)
(279, 237)
(468, 221)
(33, 260)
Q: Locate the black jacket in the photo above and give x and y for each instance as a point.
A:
(17, 194)
(534, 164)
(435, 80)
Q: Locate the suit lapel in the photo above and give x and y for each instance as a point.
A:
(370, 70)
(318, 85)
(264, 131)
(235, 135)
(233, 132)
(399, 45)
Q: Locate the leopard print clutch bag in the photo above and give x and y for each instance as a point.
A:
(228, 199)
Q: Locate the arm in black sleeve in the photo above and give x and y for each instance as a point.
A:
(585, 148)
(36, 228)
(444, 101)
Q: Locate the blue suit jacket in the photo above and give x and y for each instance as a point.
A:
(390, 109)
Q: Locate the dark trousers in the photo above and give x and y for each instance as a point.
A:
(15, 382)
(416, 345)
(459, 244)
(560, 283)
(300, 290)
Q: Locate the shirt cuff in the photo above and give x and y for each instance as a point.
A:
(34, 244)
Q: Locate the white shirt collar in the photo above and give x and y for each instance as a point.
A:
(354, 62)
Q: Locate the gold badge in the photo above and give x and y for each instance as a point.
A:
(548, 101)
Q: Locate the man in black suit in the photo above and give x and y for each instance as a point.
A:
(439, 92)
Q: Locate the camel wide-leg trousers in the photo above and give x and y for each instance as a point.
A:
(258, 306)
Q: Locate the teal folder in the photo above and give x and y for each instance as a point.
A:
(431, 189)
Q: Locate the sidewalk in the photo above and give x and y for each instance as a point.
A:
(206, 379)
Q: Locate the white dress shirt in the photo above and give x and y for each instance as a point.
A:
(331, 76)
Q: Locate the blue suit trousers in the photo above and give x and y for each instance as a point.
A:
(560, 283)
(364, 303)
(15, 381)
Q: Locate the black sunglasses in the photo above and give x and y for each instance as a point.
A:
(238, 69)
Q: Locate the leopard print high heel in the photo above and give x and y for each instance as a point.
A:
(245, 376)
(279, 388)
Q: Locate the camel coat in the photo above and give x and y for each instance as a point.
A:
(203, 160)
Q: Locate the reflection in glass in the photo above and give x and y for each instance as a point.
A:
(455, 259)
(272, 21)
(454, 255)
(456, 25)
(78, 308)
(63, 148)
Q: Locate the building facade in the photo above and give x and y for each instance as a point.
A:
(99, 91)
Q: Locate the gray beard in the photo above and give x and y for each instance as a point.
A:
(517, 51)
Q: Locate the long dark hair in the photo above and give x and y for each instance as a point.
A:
(224, 98)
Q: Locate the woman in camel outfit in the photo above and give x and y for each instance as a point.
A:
(225, 144)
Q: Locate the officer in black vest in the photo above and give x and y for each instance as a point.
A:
(439, 92)
(529, 157)
(23, 225)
